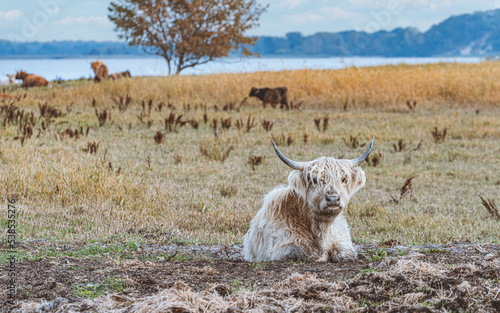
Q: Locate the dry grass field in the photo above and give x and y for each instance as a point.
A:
(153, 166)
(105, 176)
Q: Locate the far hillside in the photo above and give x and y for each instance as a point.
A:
(476, 34)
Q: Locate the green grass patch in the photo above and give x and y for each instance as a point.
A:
(94, 290)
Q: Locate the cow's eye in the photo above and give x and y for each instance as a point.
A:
(344, 180)
(315, 181)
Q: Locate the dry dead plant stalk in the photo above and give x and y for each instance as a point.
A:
(491, 207)
(26, 131)
(229, 107)
(296, 104)
(122, 102)
(68, 132)
(174, 122)
(103, 117)
(405, 190)
(439, 135)
(255, 160)
(10, 113)
(250, 123)
(282, 139)
(407, 157)
(267, 125)
(346, 105)
(374, 159)
(400, 146)
(194, 123)
(91, 147)
(146, 109)
(411, 105)
(159, 137)
(225, 123)
(214, 125)
(353, 142)
(48, 111)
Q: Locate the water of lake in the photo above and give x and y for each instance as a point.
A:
(152, 66)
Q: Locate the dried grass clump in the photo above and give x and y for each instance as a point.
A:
(159, 137)
(11, 114)
(374, 159)
(412, 105)
(283, 139)
(267, 125)
(321, 126)
(407, 157)
(255, 160)
(400, 146)
(73, 133)
(353, 142)
(103, 116)
(250, 123)
(48, 111)
(215, 152)
(91, 147)
(439, 135)
(123, 102)
(174, 122)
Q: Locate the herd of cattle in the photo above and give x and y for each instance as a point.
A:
(271, 96)
(33, 80)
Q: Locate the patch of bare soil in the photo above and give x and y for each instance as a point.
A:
(452, 278)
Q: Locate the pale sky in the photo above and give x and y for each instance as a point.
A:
(47, 20)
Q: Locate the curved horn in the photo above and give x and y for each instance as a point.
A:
(363, 157)
(295, 165)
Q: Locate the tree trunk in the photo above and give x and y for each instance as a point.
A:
(168, 63)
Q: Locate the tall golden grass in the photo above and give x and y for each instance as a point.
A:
(373, 87)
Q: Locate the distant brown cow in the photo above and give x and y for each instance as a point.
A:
(116, 76)
(31, 80)
(6, 95)
(100, 70)
(273, 96)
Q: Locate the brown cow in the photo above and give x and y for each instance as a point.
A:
(31, 80)
(272, 96)
(100, 70)
(116, 76)
(6, 95)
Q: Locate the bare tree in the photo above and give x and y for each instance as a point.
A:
(186, 32)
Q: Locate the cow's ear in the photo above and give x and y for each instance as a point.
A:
(358, 179)
(296, 180)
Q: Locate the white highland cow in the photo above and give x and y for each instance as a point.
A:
(305, 220)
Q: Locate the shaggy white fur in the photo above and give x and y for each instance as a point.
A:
(297, 221)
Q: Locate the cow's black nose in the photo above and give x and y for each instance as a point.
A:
(333, 200)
